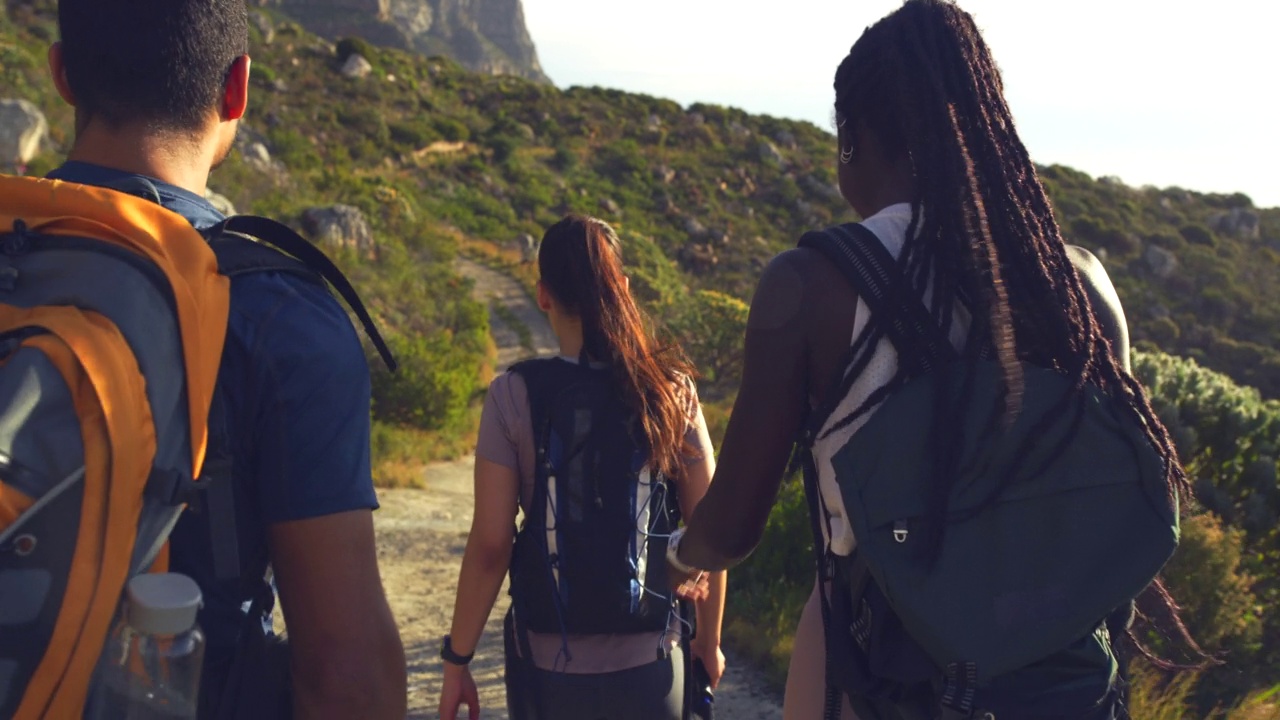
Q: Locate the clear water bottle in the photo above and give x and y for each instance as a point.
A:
(150, 667)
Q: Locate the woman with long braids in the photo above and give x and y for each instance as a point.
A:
(929, 157)
(603, 448)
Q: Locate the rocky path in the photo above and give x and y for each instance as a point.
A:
(422, 534)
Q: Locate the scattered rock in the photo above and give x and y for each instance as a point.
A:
(23, 129)
(739, 130)
(356, 66)
(220, 202)
(720, 237)
(340, 226)
(697, 118)
(257, 156)
(264, 25)
(664, 174)
(694, 227)
(814, 186)
(610, 206)
(700, 257)
(1163, 263)
(785, 139)
(770, 153)
(654, 123)
(279, 85)
(528, 246)
(1239, 222)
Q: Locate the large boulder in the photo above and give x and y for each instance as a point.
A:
(1239, 222)
(356, 66)
(340, 226)
(1163, 263)
(23, 129)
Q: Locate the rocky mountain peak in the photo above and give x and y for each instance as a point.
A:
(485, 35)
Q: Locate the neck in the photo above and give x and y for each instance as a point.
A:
(169, 157)
(569, 332)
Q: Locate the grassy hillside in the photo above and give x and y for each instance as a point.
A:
(717, 190)
(442, 161)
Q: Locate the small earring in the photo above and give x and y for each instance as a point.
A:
(846, 155)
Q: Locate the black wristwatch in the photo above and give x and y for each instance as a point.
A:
(448, 655)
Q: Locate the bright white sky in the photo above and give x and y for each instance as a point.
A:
(1152, 91)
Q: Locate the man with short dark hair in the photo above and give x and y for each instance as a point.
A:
(159, 87)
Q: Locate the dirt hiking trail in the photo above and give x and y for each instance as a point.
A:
(422, 534)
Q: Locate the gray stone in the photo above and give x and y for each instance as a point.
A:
(770, 153)
(654, 123)
(356, 66)
(700, 257)
(528, 246)
(1238, 222)
(694, 227)
(665, 174)
(610, 206)
(737, 129)
(220, 202)
(785, 139)
(1163, 263)
(340, 226)
(23, 129)
(264, 24)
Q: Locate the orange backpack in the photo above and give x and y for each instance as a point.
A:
(113, 313)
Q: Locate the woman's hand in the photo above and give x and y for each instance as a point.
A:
(707, 649)
(458, 689)
(694, 588)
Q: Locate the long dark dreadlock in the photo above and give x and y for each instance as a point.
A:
(923, 82)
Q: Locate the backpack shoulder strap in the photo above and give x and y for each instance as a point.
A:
(897, 313)
(875, 275)
(280, 249)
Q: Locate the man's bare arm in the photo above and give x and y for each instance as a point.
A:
(347, 659)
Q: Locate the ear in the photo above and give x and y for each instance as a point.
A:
(544, 298)
(235, 91)
(59, 72)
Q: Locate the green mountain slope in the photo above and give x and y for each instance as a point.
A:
(717, 190)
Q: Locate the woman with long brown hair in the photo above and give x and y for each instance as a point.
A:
(604, 448)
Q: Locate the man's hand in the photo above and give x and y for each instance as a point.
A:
(458, 689)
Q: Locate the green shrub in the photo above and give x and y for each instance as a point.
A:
(433, 385)
(349, 46)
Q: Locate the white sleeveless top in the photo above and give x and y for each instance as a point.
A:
(890, 226)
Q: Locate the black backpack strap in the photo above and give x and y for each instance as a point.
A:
(219, 498)
(875, 275)
(236, 260)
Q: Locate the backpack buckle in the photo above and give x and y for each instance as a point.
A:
(900, 531)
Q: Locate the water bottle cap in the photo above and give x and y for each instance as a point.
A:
(162, 603)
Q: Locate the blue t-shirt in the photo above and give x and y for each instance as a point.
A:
(297, 391)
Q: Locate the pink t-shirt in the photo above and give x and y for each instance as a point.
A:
(506, 438)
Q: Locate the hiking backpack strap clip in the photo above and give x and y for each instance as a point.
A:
(236, 257)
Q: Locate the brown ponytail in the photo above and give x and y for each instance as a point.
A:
(580, 262)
